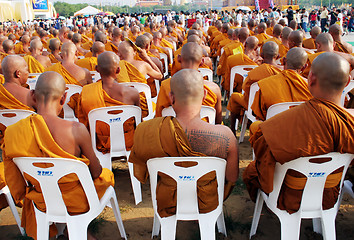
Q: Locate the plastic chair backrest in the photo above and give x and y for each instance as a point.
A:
(32, 80)
(80, 57)
(316, 174)
(222, 51)
(186, 178)
(165, 62)
(95, 76)
(115, 121)
(12, 116)
(142, 87)
(170, 55)
(205, 112)
(174, 46)
(48, 178)
(241, 70)
(253, 90)
(206, 72)
(71, 89)
(280, 107)
(347, 89)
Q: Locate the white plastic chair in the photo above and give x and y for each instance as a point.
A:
(32, 80)
(241, 70)
(142, 87)
(348, 188)
(206, 72)
(174, 46)
(165, 62)
(56, 211)
(311, 203)
(80, 57)
(69, 113)
(187, 201)
(205, 112)
(5, 190)
(347, 89)
(117, 148)
(248, 114)
(95, 76)
(12, 116)
(280, 107)
(170, 55)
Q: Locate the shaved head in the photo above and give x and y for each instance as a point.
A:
(194, 38)
(243, 34)
(117, 32)
(76, 38)
(270, 50)
(54, 44)
(296, 58)
(50, 86)
(293, 24)
(230, 33)
(125, 50)
(335, 30)
(97, 48)
(295, 39)
(100, 37)
(187, 86)
(285, 33)
(252, 42)
(192, 52)
(25, 39)
(262, 27)
(315, 31)
(325, 42)
(36, 45)
(282, 22)
(68, 48)
(10, 64)
(142, 41)
(331, 71)
(277, 29)
(8, 46)
(107, 63)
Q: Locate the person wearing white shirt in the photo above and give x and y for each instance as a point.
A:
(304, 19)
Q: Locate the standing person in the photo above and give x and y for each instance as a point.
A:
(304, 19)
(313, 18)
(351, 20)
(324, 17)
(290, 14)
(334, 16)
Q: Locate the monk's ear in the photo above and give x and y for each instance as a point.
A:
(172, 98)
(205, 94)
(311, 80)
(33, 96)
(179, 58)
(63, 98)
(17, 73)
(96, 68)
(304, 67)
(202, 61)
(118, 70)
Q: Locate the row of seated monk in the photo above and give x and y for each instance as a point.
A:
(329, 125)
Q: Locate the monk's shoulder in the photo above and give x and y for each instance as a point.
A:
(213, 87)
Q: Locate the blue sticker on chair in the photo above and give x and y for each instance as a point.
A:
(186, 178)
(113, 120)
(45, 173)
(318, 174)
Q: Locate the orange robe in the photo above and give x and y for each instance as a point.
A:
(111, 47)
(310, 59)
(3, 201)
(33, 65)
(88, 63)
(167, 139)
(261, 38)
(163, 100)
(283, 50)
(19, 48)
(53, 58)
(31, 137)
(232, 61)
(2, 79)
(282, 138)
(269, 31)
(84, 39)
(215, 43)
(309, 43)
(340, 47)
(232, 48)
(222, 44)
(93, 96)
(87, 45)
(166, 43)
(69, 79)
(239, 101)
(287, 86)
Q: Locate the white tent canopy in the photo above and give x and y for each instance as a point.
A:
(87, 11)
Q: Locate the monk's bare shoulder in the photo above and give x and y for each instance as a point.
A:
(130, 94)
(213, 87)
(350, 110)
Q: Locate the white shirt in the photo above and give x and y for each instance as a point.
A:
(305, 17)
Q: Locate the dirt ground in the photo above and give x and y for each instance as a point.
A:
(238, 213)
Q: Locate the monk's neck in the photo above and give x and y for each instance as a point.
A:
(187, 118)
(12, 82)
(35, 54)
(108, 82)
(277, 37)
(249, 52)
(270, 61)
(68, 61)
(285, 42)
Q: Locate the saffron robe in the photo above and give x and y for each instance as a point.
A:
(261, 38)
(88, 63)
(33, 65)
(282, 138)
(53, 58)
(59, 68)
(87, 45)
(228, 51)
(31, 137)
(309, 43)
(19, 48)
(340, 47)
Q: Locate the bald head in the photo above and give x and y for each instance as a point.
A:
(335, 30)
(296, 58)
(331, 72)
(125, 50)
(243, 34)
(8, 46)
(36, 45)
(25, 39)
(54, 44)
(12, 37)
(187, 87)
(270, 50)
(10, 64)
(192, 53)
(68, 49)
(325, 42)
(142, 41)
(117, 32)
(285, 33)
(97, 48)
(194, 38)
(277, 29)
(50, 86)
(100, 37)
(315, 31)
(262, 27)
(293, 24)
(107, 63)
(252, 43)
(282, 22)
(230, 33)
(295, 39)
(76, 38)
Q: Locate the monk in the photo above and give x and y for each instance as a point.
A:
(167, 135)
(310, 43)
(269, 67)
(63, 34)
(47, 135)
(296, 39)
(190, 58)
(117, 38)
(341, 46)
(23, 46)
(277, 30)
(36, 61)
(287, 86)
(284, 46)
(90, 62)
(228, 40)
(2, 39)
(262, 36)
(134, 33)
(54, 47)
(44, 38)
(215, 42)
(106, 93)
(249, 57)
(144, 43)
(329, 126)
(72, 73)
(77, 39)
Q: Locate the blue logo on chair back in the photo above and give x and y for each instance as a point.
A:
(316, 174)
(32, 81)
(113, 120)
(186, 178)
(45, 173)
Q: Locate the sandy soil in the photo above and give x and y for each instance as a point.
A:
(238, 212)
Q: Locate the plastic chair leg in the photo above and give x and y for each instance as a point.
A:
(317, 225)
(168, 228)
(328, 225)
(243, 127)
(156, 226)
(290, 226)
(220, 222)
(77, 228)
(115, 208)
(42, 225)
(257, 213)
(60, 227)
(207, 229)
(12, 206)
(135, 184)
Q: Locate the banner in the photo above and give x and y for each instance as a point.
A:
(40, 5)
(256, 4)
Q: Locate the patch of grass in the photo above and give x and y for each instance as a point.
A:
(20, 237)
(95, 224)
(239, 187)
(125, 208)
